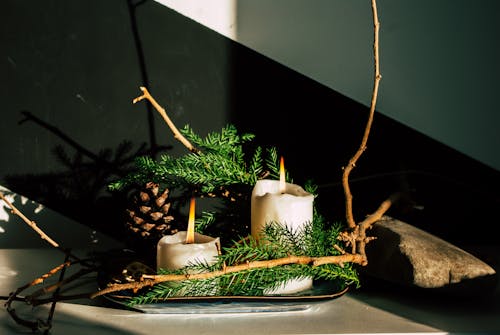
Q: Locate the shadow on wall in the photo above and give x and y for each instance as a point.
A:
(72, 83)
(79, 189)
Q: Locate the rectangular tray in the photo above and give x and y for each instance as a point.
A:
(235, 304)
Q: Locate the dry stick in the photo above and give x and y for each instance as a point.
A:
(60, 283)
(56, 293)
(30, 223)
(358, 236)
(14, 296)
(377, 215)
(352, 162)
(39, 280)
(150, 280)
(177, 134)
(35, 301)
(34, 325)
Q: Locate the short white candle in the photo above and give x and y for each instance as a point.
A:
(185, 248)
(174, 253)
(291, 206)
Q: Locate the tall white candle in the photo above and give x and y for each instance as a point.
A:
(293, 207)
(289, 205)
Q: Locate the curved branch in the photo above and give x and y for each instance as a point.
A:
(352, 162)
(177, 134)
(369, 221)
(381, 210)
(30, 223)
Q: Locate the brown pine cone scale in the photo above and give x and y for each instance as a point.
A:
(149, 215)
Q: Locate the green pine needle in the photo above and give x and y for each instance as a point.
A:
(223, 169)
(313, 241)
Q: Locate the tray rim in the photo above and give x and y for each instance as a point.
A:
(121, 299)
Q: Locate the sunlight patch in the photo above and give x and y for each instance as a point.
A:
(4, 209)
(6, 272)
(38, 208)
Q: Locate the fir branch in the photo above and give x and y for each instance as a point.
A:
(206, 219)
(248, 267)
(346, 274)
(272, 162)
(220, 162)
(255, 167)
(228, 139)
(279, 263)
(248, 250)
(311, 187)
(287, 240)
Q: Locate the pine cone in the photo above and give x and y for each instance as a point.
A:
(149, 217)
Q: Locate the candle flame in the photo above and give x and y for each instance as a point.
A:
(190, 229)
(282, 184)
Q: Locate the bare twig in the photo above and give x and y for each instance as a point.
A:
(29, 222)
(55, 295)
(57, 286)
(381, 210)
(357, 237)
(150, 280)
(352, 162)
(177, 134)
(36, 298)
(14, 295)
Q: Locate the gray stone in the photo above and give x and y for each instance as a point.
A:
(407, 255)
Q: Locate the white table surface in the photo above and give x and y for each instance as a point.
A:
(24, 257)
(346, 314)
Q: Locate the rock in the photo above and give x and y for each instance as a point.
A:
(406, 255)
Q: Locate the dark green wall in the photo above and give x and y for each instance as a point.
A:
(70, 70)
(74, 65)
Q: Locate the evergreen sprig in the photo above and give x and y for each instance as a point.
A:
(280, 241)
(221, 168)
(220, 161)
